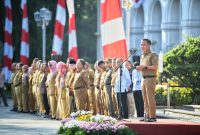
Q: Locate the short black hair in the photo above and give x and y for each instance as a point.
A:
(100, 62)
(82, 61)
(147, 40)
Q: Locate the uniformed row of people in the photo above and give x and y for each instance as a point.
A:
(56, 89)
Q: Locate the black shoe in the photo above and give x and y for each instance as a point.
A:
(6, 105)
(14, 110)
(20, 111)
(151, 120)
(144, 119)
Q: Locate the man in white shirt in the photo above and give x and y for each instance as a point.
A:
(130, 98)
(2, 80)
(125, 79)
(137, 93)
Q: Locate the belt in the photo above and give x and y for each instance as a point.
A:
(108, 83)
(91, 85)
(17, 85)
(79, 87)
(149, 76)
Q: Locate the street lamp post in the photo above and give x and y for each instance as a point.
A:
(127, 5)
(42, 17)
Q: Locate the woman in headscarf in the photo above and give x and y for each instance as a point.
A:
(60, 84)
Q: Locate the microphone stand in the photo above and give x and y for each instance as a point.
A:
(121, 111)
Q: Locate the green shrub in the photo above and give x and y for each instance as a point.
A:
(178, 96)
(182, 65)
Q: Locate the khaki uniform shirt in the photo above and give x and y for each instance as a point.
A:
(25, 82)
(102, 82)
(69, 79)
(108, 77)
(30, 80)
(149, 59)
(51, 80)
(81, 80)
(91, 77)
(114, 76)
(97, 79)
(18, 79)
(12, 77)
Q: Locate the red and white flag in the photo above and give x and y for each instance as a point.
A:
(8, 47)
(72, 43)
(59, 28)
(24, 53)
(112, 30)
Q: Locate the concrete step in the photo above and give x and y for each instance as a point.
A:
(182, 113)
(195, 108)
(179, 114)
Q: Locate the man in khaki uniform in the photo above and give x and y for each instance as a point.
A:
(91, 90)
(80, 86)
(148, 67)
(25, 88)
(40, 77)
(108, 87)
(97, 79)
(103, 88)
(18, 86)
(13, 87)
(114, 98)
(31, 101)
(70, 100)
(34, 83)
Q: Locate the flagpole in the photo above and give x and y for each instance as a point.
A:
(98, 33)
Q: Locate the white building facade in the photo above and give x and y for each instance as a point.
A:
(165, 23)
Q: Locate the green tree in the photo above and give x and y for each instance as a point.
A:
(181, 65)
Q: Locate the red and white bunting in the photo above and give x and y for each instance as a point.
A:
(59, 28)
(24, 53)
(72, 43)
(8, 47)
(112, 30)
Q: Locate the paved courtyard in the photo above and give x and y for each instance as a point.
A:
(13, 123)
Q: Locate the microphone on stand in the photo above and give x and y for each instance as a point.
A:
(132, 51)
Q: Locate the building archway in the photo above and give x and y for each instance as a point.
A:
(173, 27)
(137, 24)
(155, 26)
(194, 17)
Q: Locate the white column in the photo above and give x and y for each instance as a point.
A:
(190, 23)
(170, 35)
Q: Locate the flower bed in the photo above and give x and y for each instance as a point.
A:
(83, 123)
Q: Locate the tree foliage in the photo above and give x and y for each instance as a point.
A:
(86, 14)
(181, 65)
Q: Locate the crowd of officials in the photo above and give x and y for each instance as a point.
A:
(111, 87)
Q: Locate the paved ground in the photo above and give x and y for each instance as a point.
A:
(12, 123)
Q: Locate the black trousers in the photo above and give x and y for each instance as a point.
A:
(123, 104)
(139, 103)
(46, 104)
(2, 93)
